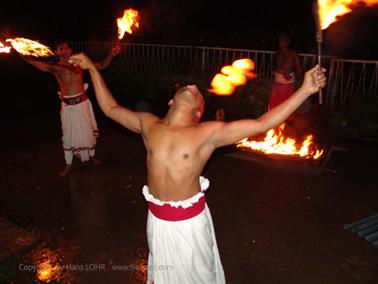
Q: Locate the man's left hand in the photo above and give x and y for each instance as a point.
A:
(115, 50)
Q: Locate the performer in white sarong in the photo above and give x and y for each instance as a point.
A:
(79, 127)
(186, 226)
(180, 231)
(78, 122)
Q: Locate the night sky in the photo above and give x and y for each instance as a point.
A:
(204, 23)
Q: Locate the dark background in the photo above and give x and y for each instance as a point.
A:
(232, 24)
(261, 238)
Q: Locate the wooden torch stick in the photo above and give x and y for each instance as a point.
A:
(319, 40)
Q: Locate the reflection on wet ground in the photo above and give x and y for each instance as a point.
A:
(272, 226)
(87, 247)
(49, 263)
(92, 223)
(62, 261)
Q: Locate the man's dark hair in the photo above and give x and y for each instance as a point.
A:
(284, 35)
(61, 41)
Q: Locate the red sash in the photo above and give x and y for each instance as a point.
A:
(170, 213)
(75, 100)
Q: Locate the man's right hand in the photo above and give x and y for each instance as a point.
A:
(82, 61)
(313, 80)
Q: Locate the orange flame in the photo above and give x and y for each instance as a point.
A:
(232, 76)
(4, 49)
(30, 47)
(330, 10)
(276, 143)
(127, 22)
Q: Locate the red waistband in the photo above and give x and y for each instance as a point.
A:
(170, 213)
(75, 100)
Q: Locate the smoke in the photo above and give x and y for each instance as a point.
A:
(168, 21)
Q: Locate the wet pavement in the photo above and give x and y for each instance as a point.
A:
(273, 225)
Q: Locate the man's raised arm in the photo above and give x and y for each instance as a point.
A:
(231, 132)
(107, 103)
(43, 66)
(105, 63)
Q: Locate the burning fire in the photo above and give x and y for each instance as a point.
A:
(4, 49)
(275, 142)
(127, 22)
(329, 10)
(232, 76)
(30, 47)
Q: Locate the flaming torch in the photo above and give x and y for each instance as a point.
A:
(326, 12)
(232, 76)
(4, 49)
(29, 47)
(127, 23)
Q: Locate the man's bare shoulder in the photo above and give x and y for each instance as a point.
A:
(211, 123)
(147, 117)
(147, 121)
(211, 126)
(293, 52)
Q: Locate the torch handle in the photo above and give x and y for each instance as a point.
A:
(319, 39)
(320, 97)
(319, 71)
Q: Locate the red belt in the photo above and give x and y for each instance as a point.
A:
(170, 213)
(75, 100)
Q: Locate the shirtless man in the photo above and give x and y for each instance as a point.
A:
(287, 69)
(79, 125)
(180, 231)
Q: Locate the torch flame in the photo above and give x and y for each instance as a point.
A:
(276, 143)
(329, 10)
(127, 22)
(232, 76)
(4, 49)
(30, 47)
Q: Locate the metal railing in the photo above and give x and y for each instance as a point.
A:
(351, 80)
(347, 79)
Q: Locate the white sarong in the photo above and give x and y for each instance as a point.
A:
(79, 129)
(183, 252)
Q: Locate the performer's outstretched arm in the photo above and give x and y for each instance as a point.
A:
(106, 101)
(229, 133)
(43, 66)
(105, 63)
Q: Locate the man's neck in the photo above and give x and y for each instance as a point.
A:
(176, 119)
(64, 61)
(285, 50)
